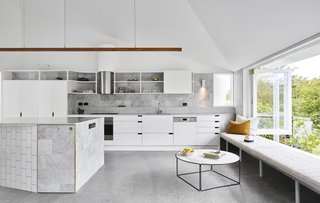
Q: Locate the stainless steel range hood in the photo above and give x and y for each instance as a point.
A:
(105, 82)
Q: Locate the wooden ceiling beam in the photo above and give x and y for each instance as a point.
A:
(93, 49)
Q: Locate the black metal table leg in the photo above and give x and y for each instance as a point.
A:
(200, 177)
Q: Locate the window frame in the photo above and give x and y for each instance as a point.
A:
(231, 92)
(287, 101)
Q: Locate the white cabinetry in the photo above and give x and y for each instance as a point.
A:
(20, 98)
(177, 82)
(53, 99)
(157, 130)
(208, 130)
(11, 99)
(127, 130)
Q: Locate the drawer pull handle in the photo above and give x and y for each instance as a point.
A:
(139, 133)
(217, 133)
(92, 125)
(216, 115)
(170, 133)
(139, 115)
(216, 121)
(139, 121)
(216, 127)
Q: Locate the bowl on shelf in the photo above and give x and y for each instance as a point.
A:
(83, 79)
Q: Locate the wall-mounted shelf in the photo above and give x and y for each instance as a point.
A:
(82, 82)
(139, 83)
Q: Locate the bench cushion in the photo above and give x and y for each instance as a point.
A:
(299, 165)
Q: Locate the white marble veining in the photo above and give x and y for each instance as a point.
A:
(18, 157)
(56, 158)
(89, 150)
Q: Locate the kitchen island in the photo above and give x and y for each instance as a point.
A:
(57, 155)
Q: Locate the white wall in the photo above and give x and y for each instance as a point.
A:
(95, 22)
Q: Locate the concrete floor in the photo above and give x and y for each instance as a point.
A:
(151, 177)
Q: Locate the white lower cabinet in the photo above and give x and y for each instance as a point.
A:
(208, 139)
(127, 139)
(127, 130)
(208, 130)
(127, 127)
(157, 139)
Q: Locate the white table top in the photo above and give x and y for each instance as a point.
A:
(198, 158)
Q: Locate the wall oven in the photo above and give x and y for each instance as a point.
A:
(108, 128)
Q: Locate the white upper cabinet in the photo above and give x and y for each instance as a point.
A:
(53, 99)
(44, 23)
(60, 98)
(11, 99)
(28, 99)
(20, 99)
(177, 82)
(45, 99)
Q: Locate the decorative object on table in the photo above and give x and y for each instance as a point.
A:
(214, 154)
(254, 122)
(187, 152)
(249, 138)
(83, 79)
(239, 128)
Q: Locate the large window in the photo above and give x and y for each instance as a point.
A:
(272, 101)
(223, 89)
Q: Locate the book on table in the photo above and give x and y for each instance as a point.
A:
(214, 154)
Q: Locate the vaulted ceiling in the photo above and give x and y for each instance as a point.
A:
(224, 34)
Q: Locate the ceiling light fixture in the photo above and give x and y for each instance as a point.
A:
(87, 49)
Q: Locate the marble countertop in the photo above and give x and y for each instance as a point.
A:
(146, 114)
(47, 121)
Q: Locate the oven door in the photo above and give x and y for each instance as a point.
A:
(108, 128)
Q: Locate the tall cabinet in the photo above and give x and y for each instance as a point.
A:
(34, 94)
(20, 98)
(52, 99)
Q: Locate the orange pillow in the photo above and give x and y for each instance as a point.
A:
(239, 128)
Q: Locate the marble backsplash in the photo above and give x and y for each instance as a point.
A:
(199, 102)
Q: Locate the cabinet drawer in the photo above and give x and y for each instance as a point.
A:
(157, 139)
(208, 139)
(210, 118)
(208, 130)
(127, 118)
(208, 124)
(127, 127)
(157, 124)
(127, 139)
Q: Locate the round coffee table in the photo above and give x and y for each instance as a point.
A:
(198, 158)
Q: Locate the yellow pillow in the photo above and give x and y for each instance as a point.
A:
(239, 128)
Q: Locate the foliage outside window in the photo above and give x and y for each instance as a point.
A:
(306, 114)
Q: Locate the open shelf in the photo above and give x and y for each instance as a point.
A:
(21, 75)
(53, 75)
(139, 83)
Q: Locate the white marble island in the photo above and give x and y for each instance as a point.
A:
(50, 154)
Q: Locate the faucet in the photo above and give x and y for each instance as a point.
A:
(159, 110)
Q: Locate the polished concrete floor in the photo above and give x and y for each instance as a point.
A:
(151, 177)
